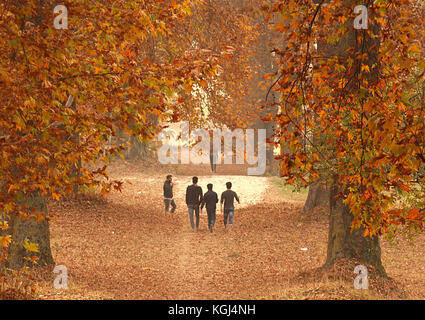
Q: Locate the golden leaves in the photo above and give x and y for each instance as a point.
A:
(122, 63)
(30, 246)
(5, 241)
(350, 101)
(4, 225)
(365, 68)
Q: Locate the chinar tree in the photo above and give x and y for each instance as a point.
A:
(347, 115)
(92, 79)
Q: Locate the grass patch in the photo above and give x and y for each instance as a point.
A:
(289, 192)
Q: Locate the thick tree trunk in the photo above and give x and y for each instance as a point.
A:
(318, 196)
(39, 233)
(341, 242)
(351, 245)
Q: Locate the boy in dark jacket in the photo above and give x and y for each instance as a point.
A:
(168, 194)
(210, 200)
(193, 200)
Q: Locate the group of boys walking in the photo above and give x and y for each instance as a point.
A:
(196, 201)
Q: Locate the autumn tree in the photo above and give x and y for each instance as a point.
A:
(345, 117)
(228, 28)
(100, 61)
(220, 100)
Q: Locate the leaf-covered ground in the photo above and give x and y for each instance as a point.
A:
(126, 247)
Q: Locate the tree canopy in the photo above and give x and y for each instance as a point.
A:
(351, 107)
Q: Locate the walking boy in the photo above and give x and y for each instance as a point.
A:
(210, 200)
(168, 194)
(227, 197)
(193, 200)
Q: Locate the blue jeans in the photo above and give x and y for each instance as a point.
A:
(193, 208)
(228, 213)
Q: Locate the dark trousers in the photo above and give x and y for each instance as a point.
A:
(211, 217)
(193, 209)
(169, 202)
(213, 162)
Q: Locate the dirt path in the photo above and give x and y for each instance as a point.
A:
(131, 249)
(126, 247)
(194, 261)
